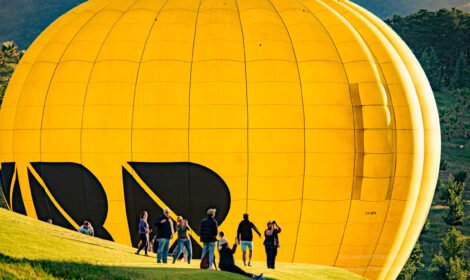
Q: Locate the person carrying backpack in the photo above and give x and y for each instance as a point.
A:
(208, 233)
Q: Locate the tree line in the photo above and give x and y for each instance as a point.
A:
(441, 41)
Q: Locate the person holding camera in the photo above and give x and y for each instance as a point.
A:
(182, 229)
(271, 242)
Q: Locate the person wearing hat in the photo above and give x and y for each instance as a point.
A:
(208, 233)
(271, 242)
(227, 262)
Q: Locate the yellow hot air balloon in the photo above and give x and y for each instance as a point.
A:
(310, 112)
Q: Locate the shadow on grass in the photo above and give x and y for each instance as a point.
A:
(13, 268)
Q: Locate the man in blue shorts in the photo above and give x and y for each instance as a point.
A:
(245, 235)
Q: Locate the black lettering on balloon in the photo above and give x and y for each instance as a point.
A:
(45, 209)
(7, 177)
(77, 191)
(188, 189)
(17, 204)
(7, 171)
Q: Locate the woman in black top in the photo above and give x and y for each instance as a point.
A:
(271, 243)
(227, 263)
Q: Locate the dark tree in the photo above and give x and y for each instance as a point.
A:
(450, 262)
(460, 77)
(460, 177)
(432, 67)
(413, 265)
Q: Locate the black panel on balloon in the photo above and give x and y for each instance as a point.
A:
(137, 200)
(187, 188)
(7, 171)
(17, 204)
(45, 209)
(78, 192)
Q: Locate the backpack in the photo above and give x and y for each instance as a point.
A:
(205, 262)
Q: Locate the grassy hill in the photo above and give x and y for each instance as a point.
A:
(30, 249)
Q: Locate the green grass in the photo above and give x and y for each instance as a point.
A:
(30, 249)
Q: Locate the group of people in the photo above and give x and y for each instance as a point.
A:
(211, 239)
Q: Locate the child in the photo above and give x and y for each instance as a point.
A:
(221, 240)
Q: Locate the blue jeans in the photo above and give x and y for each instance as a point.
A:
(162, 252)
(209, 247)
(182, 243)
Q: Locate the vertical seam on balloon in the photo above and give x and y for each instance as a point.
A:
(90, 75)
(392, 180)
(247, 108)
(49, 87)
(304, 124)
(12, 185)
(135, 87)
(189, 103)
(49, 195)
(138, 69)
(359, 143)
(354, 123)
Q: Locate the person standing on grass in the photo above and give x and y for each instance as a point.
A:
(245, 234)
(165, 233)
(208, 232)
(87, 229)
(182, 229)
(227, 262)
(271, 242)
(144, 232)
